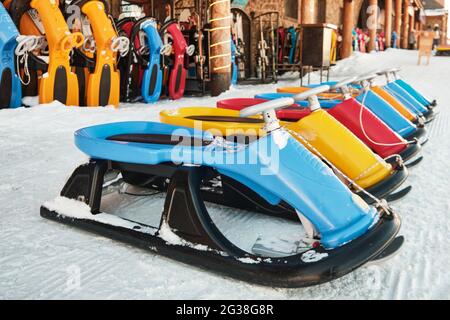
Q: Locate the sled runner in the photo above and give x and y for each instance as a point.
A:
(318, 131)
(10, 87)
(58, 81)
(345, 232)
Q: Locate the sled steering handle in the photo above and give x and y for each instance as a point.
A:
(73, 40)
(344, 83)
(388, 71)
(267, 106)
(310, 93)
(366, 77)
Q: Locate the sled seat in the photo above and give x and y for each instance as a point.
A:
(228, 122)
(170, 140)
(140, 142)
(325, 103)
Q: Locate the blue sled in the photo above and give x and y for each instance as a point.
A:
(234, 69)
(290, 173)
(10, 86)
(152, 79)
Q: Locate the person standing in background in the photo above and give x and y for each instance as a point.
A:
(412, 40)
(436, 36)
(394, 39)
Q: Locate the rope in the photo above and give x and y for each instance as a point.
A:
(219, 43)
(366, 91)
(223, 67)
(398, 96)
(221, 18)
(381, 203)
(216, 2)
(120, 44)
(26, 44)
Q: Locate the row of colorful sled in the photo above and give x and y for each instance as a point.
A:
(339, 153)
(84, 57)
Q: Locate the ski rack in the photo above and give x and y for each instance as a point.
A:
(290, 65)
(197, 84)
(243, 43)
(271, 67)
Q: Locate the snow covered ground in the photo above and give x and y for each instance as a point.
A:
(42, 259)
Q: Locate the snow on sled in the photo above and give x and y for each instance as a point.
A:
(340, 231)
(319, 132)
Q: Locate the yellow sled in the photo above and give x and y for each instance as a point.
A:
(318, 131)
(58, 82)
(103, 84)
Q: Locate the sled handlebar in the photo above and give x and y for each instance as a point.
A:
(313, 92)
(344, 83)
(388, 71)
(73, 40)
(267, 106)
(366, 77)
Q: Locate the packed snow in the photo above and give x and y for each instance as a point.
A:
(40, 259)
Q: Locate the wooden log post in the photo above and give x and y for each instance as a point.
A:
(412, 25)
(444, 30)
(307, 12)
(398, 21)
(372, 23)
(115, 8)
(220, 46)
(347, 28)
(388, 22)
(405, 22)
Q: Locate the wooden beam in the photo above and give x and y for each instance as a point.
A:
(412, 23)
(308, 12)
(347, 28)
(405, 22)
(398, 20)
(372, 23)
(220, 46)
(388, 22)
(444, 30)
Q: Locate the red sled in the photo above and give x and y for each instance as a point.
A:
(178, 72)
